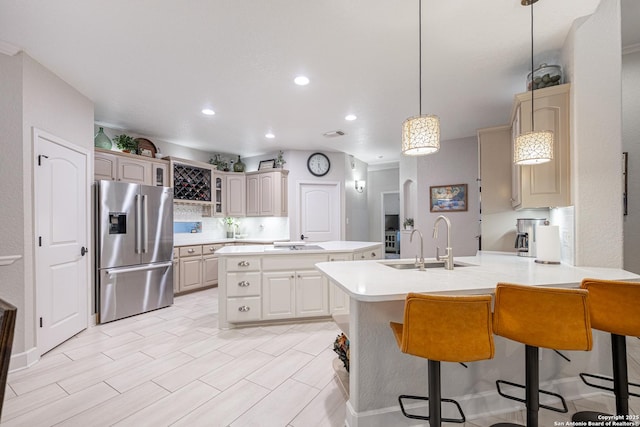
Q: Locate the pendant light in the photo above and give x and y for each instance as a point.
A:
(533, 147)
(420, 134)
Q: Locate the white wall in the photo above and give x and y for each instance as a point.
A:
(593, 65)
(455, 163)
(379, 182)
(356, 208)
(631, 144)
(39, 99)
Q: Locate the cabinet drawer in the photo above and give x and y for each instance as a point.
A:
(243, 263)
(243, 309)
(303, 262)
(210, 249)
(190, 250)
(243, 284)
(176, 253)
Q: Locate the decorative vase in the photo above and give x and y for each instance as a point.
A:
(101, 140)
(229, 234)
(238, 166)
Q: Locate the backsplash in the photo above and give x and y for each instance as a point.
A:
(262, 228)
(565, 219)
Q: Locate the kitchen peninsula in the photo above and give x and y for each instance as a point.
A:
(273, 283)
(379, 372)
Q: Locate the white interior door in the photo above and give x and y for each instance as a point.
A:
(62, 265)
(319, 212)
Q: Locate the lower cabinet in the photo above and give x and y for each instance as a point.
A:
(176, 270)
(312, 294)
(278, 296)
(338, 299)
(197, 267)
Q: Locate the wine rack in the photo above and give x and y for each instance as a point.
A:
(191, 183)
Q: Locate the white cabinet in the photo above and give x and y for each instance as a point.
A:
(368, 254)
(242, 286)
(217, 197)
(267, 193)
(278, 296)
(236, 196)
(129, 168)
(312, 291)
(176, 271)
(197, 267)
(547, 184)
(338, 299)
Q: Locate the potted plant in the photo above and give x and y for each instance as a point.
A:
(280, 161)
(126, 143)
(408, 223)
(232, 226)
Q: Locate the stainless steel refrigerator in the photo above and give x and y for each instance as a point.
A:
(134, 249)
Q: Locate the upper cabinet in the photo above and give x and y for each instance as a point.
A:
(191, 183)
(267, 193)
(236, 198)
(547, 184)
(129, 168)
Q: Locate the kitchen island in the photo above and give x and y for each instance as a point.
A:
(276, 283)
(379, 372)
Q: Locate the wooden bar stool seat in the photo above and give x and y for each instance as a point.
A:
(444, 329)
(545, 317)
(614, 307)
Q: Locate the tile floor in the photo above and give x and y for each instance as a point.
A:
(175, 367)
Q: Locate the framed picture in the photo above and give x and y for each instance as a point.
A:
(448, 198)
(267, 164)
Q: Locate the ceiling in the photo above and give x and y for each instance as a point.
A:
(150, 66)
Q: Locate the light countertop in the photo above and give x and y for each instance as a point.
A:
(333, 246)
(186, 239)
(374, 281)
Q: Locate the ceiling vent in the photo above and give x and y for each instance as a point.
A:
(333, 133)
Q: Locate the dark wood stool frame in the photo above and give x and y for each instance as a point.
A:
(7, 327)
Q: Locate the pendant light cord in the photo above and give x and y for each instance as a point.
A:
(420, 55)
(532, 82)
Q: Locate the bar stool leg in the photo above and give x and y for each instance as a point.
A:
(532, 396)
(435, 399)
(620, 374)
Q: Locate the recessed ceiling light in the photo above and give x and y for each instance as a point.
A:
(208, 112)
(301, 80)
(269, 135)
(350, 117)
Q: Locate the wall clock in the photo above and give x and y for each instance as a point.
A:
(318, 164)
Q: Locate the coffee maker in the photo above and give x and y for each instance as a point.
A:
(526, 235)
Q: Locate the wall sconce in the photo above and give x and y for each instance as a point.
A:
(360, 185)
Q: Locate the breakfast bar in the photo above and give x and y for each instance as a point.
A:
(379, 372)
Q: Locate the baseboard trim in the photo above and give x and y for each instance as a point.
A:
(20, 361)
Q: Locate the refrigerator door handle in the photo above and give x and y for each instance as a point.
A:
(138, 224)
(138, 268)
(145, 225)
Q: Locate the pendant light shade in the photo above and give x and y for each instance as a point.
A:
(534, 147)
(420, 135)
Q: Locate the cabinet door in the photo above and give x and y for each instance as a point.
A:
(236, 198)
(284, 195)
(160, 174)
(190, 273)
(338, 299)
(278, 295)
(516, 185)
(267, 199)
(133, 170)
(312, 294)
(218, 195)
(176, 272)
(209, 270)
(105, 166)
(253, 201)
(547, 184)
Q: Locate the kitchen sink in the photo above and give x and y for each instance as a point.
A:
(427, 264)
(297, 248)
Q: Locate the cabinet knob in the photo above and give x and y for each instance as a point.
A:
(243, 264)
(244, 308)
(292, 276)
(212, 249)
(373, 254)
(191, 251)
(244, 284)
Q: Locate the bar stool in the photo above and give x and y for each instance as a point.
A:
(614, 309)
(540, 317)
(444, 329)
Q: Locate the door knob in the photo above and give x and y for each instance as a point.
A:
(83, 251)
(302, 237)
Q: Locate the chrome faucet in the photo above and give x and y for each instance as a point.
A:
(421, 262)
(448, 255)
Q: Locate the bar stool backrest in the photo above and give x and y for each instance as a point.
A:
(543, 317)
(447, 328)
(614, 305)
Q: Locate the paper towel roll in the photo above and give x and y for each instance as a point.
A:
(548, 244)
